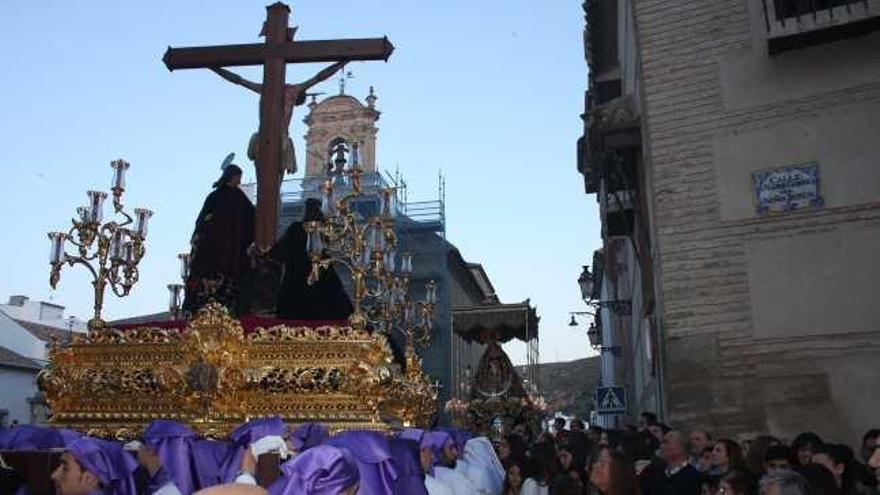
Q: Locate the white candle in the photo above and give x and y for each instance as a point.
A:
(174, 291)
(184, 265)
(116, 245)
(328, 208)
(96, 206)
(56, 249)
(355, 155)
(431, 292)
(406, 264)
(310, 242)
(142, 221)
(390, 260)
(428, 293)
(119, 168)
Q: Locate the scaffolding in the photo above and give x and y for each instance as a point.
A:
(413, 216)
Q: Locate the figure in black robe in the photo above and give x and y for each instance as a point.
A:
(220, 266)
(326, 299)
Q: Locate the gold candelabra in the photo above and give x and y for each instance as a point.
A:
(367, 248)
(110, 250)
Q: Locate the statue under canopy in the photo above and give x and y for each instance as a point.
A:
(496, 376)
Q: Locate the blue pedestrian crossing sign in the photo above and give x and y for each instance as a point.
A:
(610, 400)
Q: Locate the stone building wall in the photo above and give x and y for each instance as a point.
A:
(771, 323)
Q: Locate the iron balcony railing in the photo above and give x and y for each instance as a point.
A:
(792, 17)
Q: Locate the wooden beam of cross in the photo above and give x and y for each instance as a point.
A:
(274, 55)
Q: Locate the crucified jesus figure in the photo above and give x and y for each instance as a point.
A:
(294, 95)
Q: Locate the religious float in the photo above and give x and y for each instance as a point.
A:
(213, 369)
(497, 397)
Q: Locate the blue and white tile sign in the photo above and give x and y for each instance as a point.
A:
(787, 188)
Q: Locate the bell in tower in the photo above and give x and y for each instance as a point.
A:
(338, 153)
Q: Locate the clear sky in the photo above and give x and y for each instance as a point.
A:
(487, 91)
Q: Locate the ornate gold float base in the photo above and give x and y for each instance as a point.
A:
(212, 376)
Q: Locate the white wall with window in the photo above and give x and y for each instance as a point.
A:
(18, 385)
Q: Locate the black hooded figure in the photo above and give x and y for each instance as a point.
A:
(326, 299)
(220, 266)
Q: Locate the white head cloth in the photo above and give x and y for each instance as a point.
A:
(482, 467)
(455, 480)
(436, 487)
(270, 443)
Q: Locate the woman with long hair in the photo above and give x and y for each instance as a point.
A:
(514, 480)
(727, 455)
(573, 458)
(511, 446)
(544, 469)
(612, 473)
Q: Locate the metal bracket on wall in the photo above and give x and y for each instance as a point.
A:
(613, 349)
(621, 307)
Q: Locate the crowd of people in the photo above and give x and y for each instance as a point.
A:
(569, 459)
(654, 459)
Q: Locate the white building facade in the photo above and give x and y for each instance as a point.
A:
(25, 328)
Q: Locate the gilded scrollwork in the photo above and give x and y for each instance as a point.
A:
(307, 380)
(214, 377)
(281, 333)
(148, 335)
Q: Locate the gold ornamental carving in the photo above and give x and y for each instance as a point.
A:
(214, 376)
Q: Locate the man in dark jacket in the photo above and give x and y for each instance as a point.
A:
(671, 474)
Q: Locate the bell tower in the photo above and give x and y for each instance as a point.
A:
(338, 122)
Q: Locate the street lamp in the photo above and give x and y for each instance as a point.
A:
(620, 307)
(585, 281)
(592, 331)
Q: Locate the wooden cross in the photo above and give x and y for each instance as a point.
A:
(274, 55)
